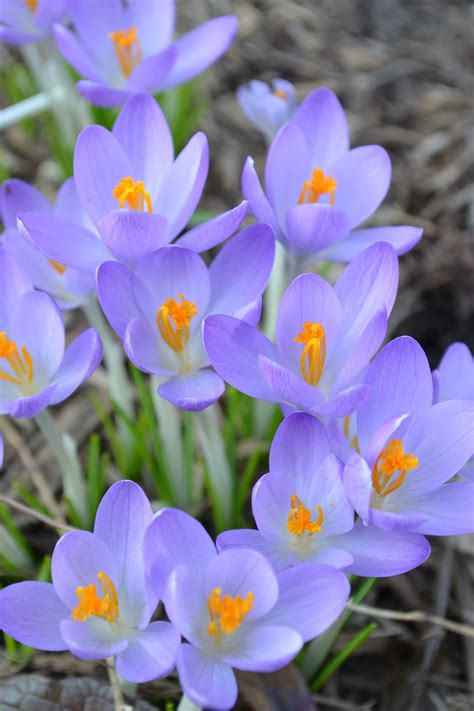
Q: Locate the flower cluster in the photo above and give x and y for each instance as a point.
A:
(374, 451)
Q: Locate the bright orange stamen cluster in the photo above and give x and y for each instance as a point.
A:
(313, 356)
(317, 185)
(32, 5)
(280, 94)
(173, 320)
(226, 612)
(57, 266)
(21, 364)
(91, 605)
(133, 193)
(299, 520)
(392, 460)
(127, 49)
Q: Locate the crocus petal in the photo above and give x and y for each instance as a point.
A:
(363, 178)
(185, 605)
(249, 538)
(91, 641)
(399, 379)
(121, 521)
(212, 232)
(234, 348)
(18, 196)
(206, 681)
(77, 558)
(405, 520)
(454, 378)
(49, 11)
(311, 228)
(80, 248)
(402, 239)
(73, 51)
(308, 298)
(100, 162)
(182, 187)
(152, 72)
(144, 134)
(13, 283)
(300, 446)
(382, 553)
(154, 22)
(38, 326)
(253, 192)
(101, 94)
(288, 387)
(240, 571)
(311, 597)
(448, 511)
(344, 403)
(265, 648)
(31, 613)
(193, 391)
(114, 290)
(130, 235)
(80, 360)
(140, 343)
(200, 48)
(287, 167)
(28, 406)
(254, 250)
(151, 654)
(357, 480)
(321, 118)
(176, 538)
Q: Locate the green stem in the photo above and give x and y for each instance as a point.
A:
(187, 705)
(65, 451)
(342, 656)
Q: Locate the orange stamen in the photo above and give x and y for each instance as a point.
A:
(226, 612)
(133, 193)
(21, 364)
(173, 320)
(280, 94)
(313, 356)
(57, 266)
(299, 519)
(127, 48)
(391, 460)
(317, 185)
(91, 605)
(32, 5)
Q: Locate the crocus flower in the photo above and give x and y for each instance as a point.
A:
(121, 48)
(68, 286)
(231, 607)
(99, 604)
(24, 21)
(136, 194)
(453, 379)
(303, 514)
(158, 309)
(318, 191)
(35, 368)
(409, 449)
(268, 107)
(325, 336)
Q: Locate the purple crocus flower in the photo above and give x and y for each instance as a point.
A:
(68, 286)
(268, 107)
(325, 336)
(409, 449)
(303, 514)
(121, 48)
(99, 604)
(318, 191)
(454, 379)
(24, 21)
(35, 368)
(158, 309)
(136, 194)
(233, 610)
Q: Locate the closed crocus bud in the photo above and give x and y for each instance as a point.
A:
(268, 107)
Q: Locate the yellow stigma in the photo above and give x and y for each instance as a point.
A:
(21, 364)
(57, 266)
(313, 355)
(91, 605)
(280, 94)
(317, 185)
(127, 48)
(392, 460)
(226, 612)
(299, 520)
(133, 193)
(173, 320)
